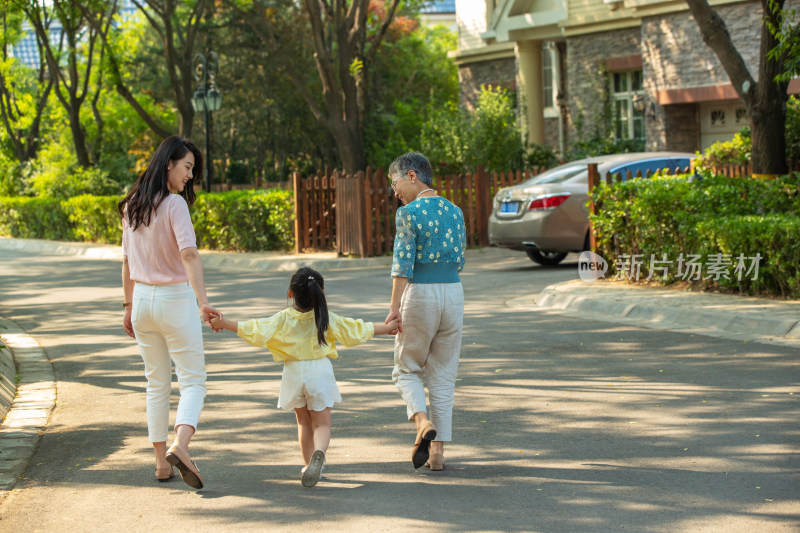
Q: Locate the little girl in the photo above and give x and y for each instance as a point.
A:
(303, 338)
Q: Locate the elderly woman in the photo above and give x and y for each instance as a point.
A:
(428, 301)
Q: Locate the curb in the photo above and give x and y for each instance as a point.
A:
(727, 316)
(31, 407)
(8, 382)
(88, 250)
(250, 261)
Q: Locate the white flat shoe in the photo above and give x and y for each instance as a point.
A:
(314, 469)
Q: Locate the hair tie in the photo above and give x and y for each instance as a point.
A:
(310, 277)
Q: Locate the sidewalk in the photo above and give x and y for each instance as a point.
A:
(717, 315)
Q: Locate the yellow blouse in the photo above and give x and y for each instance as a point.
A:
(292, 336)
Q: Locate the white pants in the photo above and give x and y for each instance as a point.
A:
(167, 326)
(429, 346)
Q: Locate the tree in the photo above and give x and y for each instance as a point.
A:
(69, 63)
(765, 99)
(788, 36)
(21, 109)
(345, 39)
(265, 124)
(177, 25)
(411, 74)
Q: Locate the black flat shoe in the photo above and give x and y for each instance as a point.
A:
(189, 476)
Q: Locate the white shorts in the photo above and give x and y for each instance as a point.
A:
(308, 384)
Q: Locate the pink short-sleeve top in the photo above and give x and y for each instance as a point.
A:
(153, 251)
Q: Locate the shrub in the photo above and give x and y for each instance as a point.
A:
(34, 218)
(669, 216)
(244, 221)
(94, 218)
(722, 153)
(239, 220)
(495, 136)
(775, 238)
(490, 137)
(540, 156)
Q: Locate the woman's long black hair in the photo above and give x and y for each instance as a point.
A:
(150, 188)
(307, 286)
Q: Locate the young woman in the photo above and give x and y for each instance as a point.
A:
(162, 278)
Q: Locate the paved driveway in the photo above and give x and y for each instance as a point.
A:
(562, 424)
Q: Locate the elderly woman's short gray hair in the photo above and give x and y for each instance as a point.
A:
(413, 161)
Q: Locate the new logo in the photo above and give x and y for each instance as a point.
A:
(591, 266)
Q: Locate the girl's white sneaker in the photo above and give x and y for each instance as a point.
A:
(314, 469)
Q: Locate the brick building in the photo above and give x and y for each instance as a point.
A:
(638, 68)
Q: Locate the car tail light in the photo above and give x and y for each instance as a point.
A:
(548, 202)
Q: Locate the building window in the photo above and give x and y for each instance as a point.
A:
(629, 123)
(548, 75)
(717, 118)
(741, 117)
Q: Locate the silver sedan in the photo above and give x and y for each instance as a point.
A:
(547, 216)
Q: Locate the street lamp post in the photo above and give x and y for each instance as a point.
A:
(207, 98)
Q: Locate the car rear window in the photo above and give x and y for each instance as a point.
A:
(558, 174)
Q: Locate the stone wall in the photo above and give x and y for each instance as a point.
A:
(674, 56)
(497, 72)
(587, 79)
(551, 133)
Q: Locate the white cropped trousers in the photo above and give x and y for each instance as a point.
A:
(168, 329)
(429, 348)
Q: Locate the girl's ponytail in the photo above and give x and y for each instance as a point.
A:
(307, 286)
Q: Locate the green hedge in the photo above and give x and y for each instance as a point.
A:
(669, 216)
(34, 218)
(245, 221)
(777, 237)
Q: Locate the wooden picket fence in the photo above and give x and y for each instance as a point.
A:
(314, 203)
(355, 213)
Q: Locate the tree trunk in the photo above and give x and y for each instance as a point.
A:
(764, 100)
(349, 144)
(78, 137)
(768, 115)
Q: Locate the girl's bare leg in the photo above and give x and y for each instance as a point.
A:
(321, 425)
(305, 432)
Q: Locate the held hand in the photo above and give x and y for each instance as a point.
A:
(395, 316)
(216, 323)
(207, 313)
(393, 326)
(127, 324)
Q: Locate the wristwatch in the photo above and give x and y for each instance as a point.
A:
(126, 304)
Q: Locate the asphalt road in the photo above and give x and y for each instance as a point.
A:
(561, 424)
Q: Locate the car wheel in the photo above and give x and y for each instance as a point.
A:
(545, 258)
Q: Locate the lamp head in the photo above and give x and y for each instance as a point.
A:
(199, 99)
(213, 98)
